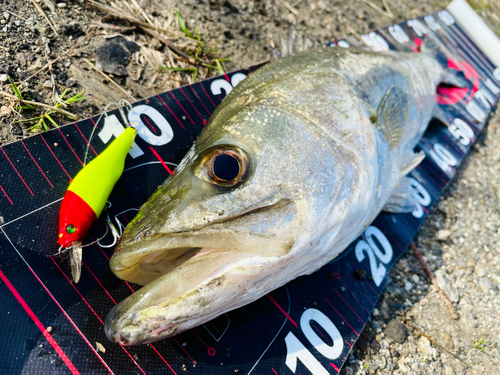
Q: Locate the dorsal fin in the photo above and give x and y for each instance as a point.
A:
(295, 43)
(392, 115)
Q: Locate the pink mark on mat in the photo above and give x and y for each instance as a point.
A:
(192, 105)
(283, 311)
(71, 148)
(173, 114)
(208, 96)
(355, 313)
(201, 101)
(55, 157)
(22, 179)
(97, 316)
(34, 161)
(177, 342)
(39, 324)
(161, 160)
(151, 126)
(6, 196)
(180, 105)
(341, 317)
(335, 367)
(79, 131)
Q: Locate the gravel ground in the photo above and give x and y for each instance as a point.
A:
(460, 238)
(460, 242)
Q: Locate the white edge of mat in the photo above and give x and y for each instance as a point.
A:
(477, 30)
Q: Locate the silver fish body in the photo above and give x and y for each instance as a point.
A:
(321, 139)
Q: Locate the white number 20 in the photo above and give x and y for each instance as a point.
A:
(374, 252)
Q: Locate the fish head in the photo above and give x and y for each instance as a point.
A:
(226, 227)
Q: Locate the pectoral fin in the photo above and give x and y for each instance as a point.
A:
(295, 43)
(403, 198)
(410, 161)
(392, 115)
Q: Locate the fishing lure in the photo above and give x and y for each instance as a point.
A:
(88, 194)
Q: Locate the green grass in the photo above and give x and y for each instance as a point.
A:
(203, 54)
(45, 121)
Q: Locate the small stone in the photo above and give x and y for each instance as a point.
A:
(448, 371)
(415, 279)
(396, 331)
(380, 361)
(476, 227)
(49, 329)
(480, 270)
(70, 82)
(485, 285)
(445, 285)
(375, 312)
(348, 370)
(443, 234)
(447, 339)
(113, 55)
(61, 5)
(17, 23)
(100, 347)
(5, 111)
(3, 77)
(424, 346)
(47, 84)
(26, 58)
(6, 15)
(360, 274)
(321, 5)
(67, 64)
(408, 286)
(402, 365)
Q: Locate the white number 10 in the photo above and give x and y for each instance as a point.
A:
(295, 350)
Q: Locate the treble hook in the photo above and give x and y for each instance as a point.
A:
(115, 233)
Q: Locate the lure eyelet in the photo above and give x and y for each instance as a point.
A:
(224, 166)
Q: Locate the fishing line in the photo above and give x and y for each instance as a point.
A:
(119, 105)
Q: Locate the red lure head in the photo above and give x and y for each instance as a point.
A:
(75, 219)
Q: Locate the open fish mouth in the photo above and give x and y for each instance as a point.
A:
(194, 276)
(183, 286)
(156, 264)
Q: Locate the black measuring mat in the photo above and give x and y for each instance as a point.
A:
(307, 326)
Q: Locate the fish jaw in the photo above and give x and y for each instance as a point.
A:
(213, 283)
(195, 276)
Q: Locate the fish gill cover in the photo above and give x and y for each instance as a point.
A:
(309, 325)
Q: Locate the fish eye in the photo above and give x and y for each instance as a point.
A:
(70, 228)
(224, 166)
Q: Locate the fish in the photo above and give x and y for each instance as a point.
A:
(294, 164)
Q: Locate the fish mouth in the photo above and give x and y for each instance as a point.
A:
(205, 284)
(141, 260)
(192, 277)
(153, 264)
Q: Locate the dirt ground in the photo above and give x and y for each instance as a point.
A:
(466, 256)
